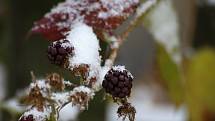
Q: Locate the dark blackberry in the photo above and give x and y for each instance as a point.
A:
(28, 118)
(59, 51)
(118, 82)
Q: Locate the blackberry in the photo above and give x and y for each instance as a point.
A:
(28, 118)
(59, 51)
(118, 82)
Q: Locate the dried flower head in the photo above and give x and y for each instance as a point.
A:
(127, 111)
(56, 81)
(81, 96)
(35, 98)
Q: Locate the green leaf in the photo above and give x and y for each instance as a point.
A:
(201, 84)
(170, 74)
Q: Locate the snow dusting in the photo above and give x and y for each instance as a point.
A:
(116, 7)
(121, 69)
(69, 113)
(61, 97)
(84, 89)
(86, 48)
(144, 7)
(165, 28)
(39, 115)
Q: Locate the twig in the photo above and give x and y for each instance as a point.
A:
(141, 11)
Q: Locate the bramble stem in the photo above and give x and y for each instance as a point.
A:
(140, 13)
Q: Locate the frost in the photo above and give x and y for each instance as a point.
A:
(121, 69)
(84, 89)
(13, 104)
(43, 86)
(116, 7)
(39, 115)
(144, 7)
(68, 113)
(164, 26)
(40, 83)
(86, 48)
(103, 71)
(61, 97)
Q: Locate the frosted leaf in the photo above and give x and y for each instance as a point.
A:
(100, 14)
(165, 28)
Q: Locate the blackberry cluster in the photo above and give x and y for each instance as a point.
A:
(118, 83)
(28, 118)
(58, 54)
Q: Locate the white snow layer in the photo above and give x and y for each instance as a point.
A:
(60, 97)
(116, 7)
(121, 69)
(165, 28)
(39, 115)
(86, 48)
(69, 113)
(84, 89)
(144, 7)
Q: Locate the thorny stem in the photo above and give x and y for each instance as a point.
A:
(141, 12)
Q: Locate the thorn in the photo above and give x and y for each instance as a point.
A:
(33, 77)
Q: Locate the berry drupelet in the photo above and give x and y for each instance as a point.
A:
(59, 51)
(118, 82)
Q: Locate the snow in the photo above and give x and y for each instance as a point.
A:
(84, 89)
(86, 48)
(39, 115)
(69, 113)
(13, 104)
(115, 7)
(121, 69)
(40, 83)
(61, 97)
(103, 71)
(165, 28)
(43, 86)
(144, 7)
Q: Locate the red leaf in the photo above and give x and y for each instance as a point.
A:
(100, 14)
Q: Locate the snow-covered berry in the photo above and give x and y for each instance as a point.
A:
(59, 51)
(118, 82)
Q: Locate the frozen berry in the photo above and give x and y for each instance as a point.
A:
(59, 51)
(27, 118)
(118, 82)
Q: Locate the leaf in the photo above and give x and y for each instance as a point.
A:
(201, 84)
(100, 15)
(170, 74)
(163, 24)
